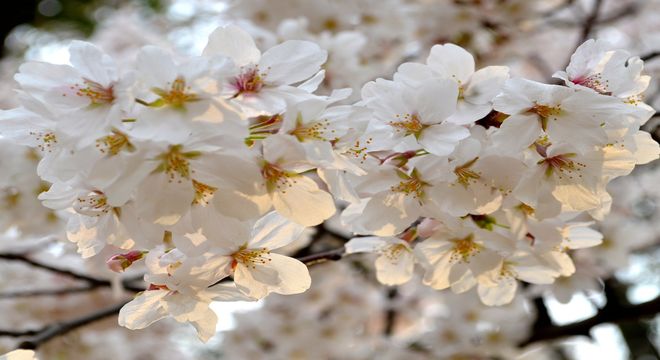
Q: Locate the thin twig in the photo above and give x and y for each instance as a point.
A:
(50, 331)
(92, 281)
(390, 314)
(330, 255)
(650, 56)
(587, 27)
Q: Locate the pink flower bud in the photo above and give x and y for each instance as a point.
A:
(120, 262)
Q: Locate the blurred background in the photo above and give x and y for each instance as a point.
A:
(346, 314)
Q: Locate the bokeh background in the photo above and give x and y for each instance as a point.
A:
(346, 314)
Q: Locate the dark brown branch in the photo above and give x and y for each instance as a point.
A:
(330, 255)
(650, 56)
(611, 313)
(587, 28)
(50, 331)
(390, 314)
(589, 22)
(92, 281)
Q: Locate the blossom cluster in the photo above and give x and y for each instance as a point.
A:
(205, 167)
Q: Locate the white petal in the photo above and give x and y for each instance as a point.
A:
(435, 100)
(233, 42)
(274, 231)
(517, 133)
(485, 84)
(451, 61)
(292, 61)
(365, 244)
(395, 271)
(441, 139)
(144, 310)
(498, 295)
(303, 202)
(294, 275)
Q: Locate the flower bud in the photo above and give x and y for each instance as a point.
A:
(120, 262)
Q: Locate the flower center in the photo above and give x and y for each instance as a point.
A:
(249, 81)
(359, 151)
(563, 166)
(45, 140)
(409, 124)
(465, 175)
(95, 92)
(545, 112)
(464, 249)
(393, 252)
(250, 257)
(176, 163)
(176, 96)
(203, 193)
(594, 82)
(94, 204)
(114, 143)
(276, 178)
(313, 131)
(411, 185)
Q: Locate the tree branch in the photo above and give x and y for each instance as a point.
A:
(587, 27)
(92, 281)
(611, 313)
(390, 314)
(43, 335)
(650, 56)
(330, 255)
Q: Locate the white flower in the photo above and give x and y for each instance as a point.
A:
(395, 262)
(159, 302)
(419, 112)
(595, 65)
(455, 257)
(246, 250)
(293, 195)
(392, 198)
(89, 88)
(498, 286)
(561, 113)
(562, 178)
(264, 82)
(476, 90)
